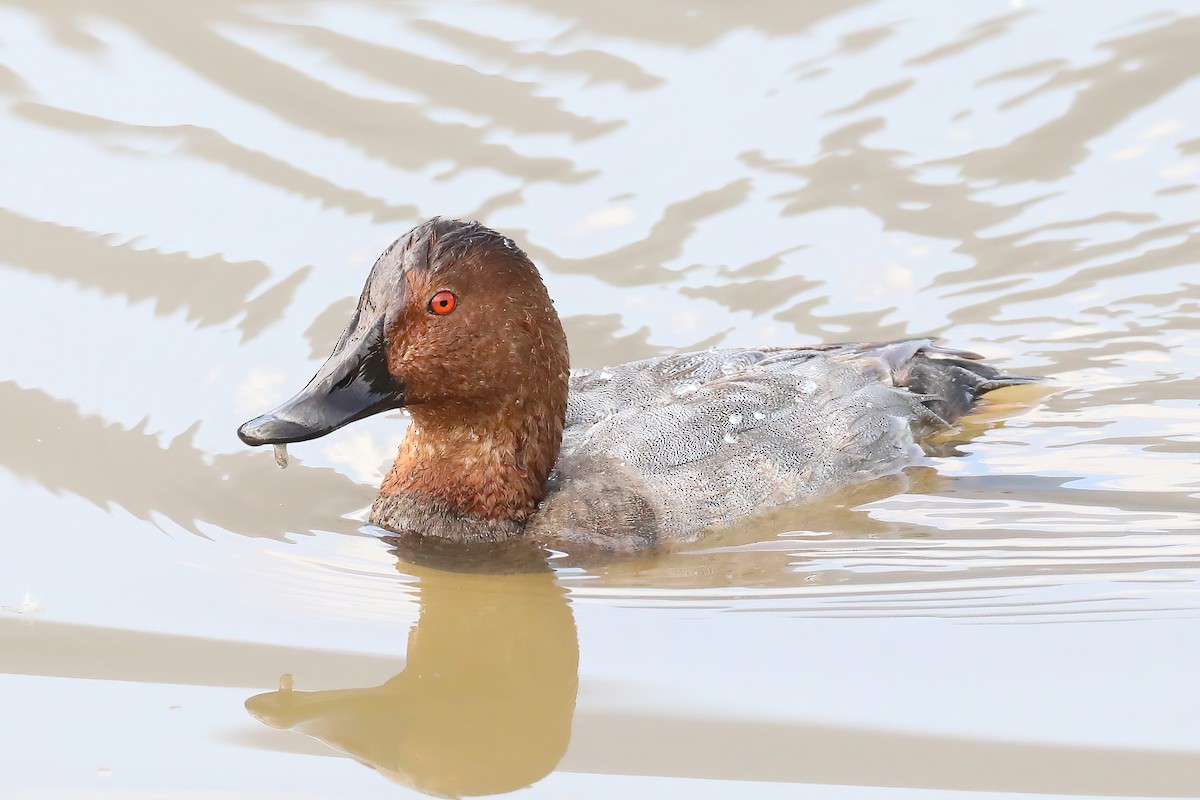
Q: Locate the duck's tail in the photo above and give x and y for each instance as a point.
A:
(950, 382)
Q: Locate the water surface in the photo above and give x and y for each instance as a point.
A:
(192, 195)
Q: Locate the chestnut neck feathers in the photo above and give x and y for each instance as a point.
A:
(486, 386)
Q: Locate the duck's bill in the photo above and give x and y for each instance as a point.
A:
(353, 383)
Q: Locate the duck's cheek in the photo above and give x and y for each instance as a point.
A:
(423, 382)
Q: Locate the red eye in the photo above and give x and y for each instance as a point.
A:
(443, 303)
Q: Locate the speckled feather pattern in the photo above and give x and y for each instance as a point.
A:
(663, 449)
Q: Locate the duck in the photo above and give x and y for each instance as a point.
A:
(508, 443)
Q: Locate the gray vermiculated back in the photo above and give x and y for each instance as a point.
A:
(663, 449)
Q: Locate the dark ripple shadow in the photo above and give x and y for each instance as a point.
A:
(11, 83)
(211, 146)
(975, 35)
(849, 173)
(67, 650)
(852, 174)
(640, 263)
(510, 104)
(599, 67)
(1041, 257)
(399, 133)
(47, 441)
(1165, 56)
(209, 290)
(749, 295)
(687, 23)
(874, 96)
(595, 342)
(758, 750)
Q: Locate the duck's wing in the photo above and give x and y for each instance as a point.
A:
(699, 440)
(949, 381)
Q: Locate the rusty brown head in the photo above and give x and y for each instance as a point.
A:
(454, 317)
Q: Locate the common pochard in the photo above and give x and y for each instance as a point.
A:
(455, 325)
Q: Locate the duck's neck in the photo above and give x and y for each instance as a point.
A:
(472, 473)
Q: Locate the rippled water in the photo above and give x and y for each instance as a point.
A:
(191, 195)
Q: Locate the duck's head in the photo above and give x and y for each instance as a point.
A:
(454, 320)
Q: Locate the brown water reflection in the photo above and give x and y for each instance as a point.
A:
(191, 35)
(485, 701)
(211, 290)
(486, 704)
(193, 193)
(175, 481)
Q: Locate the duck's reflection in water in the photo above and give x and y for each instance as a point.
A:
(485, 702)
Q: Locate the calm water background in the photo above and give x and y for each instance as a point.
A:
(192, 193)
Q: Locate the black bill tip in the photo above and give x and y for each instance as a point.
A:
(354, 382)
(273, 428)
